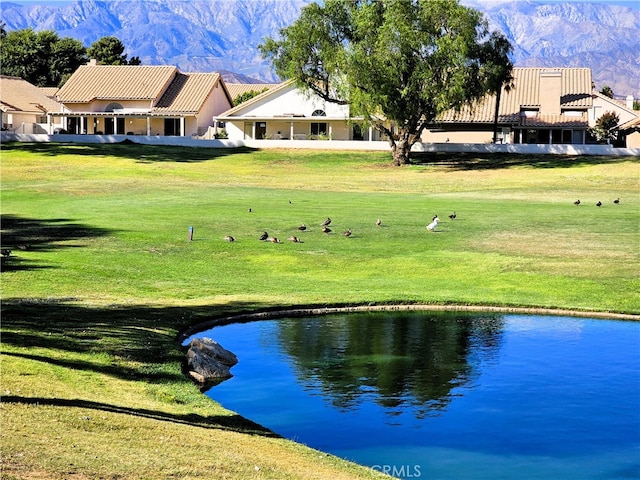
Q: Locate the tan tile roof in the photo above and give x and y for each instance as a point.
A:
(49, 91)
(555, 121)
(187, 92)
(576, 90)
(116, 82)
(236, 89)
(18, 95)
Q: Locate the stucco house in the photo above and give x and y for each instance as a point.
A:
(141, 100)
(25, 108)
(286, 112)
(543, 106)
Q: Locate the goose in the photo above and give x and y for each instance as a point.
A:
(326, 229)
(326, 222)
(432, 226)
(264, 236)
(302, 227)
(229, 238)
(347, 232)
(274, 240)
(577, 202)
(616, 201)
(599, 203)
(378, 222)
(452, 216)
(5, 252)
(295, 239)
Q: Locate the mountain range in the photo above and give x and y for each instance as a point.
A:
(222, 35)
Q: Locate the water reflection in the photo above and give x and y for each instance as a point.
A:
(457, 395)
(400, 361)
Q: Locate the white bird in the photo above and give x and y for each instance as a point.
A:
(432, 226)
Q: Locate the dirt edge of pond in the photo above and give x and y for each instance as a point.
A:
(308, 311)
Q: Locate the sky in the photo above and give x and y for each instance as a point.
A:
(626, 3)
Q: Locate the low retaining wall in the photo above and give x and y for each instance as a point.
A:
(524, 149)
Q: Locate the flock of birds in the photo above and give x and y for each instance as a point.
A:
(265, 237)
(599, 203)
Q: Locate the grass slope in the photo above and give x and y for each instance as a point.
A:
(103, 278)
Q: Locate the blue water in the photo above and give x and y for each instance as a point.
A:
(446, 397)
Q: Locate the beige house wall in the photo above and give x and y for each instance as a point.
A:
(457, 136)
(633, 140)
(281, 129)
(29, 122)
(215, 104)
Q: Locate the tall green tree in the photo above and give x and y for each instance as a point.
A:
(110, 51)
(41, 58)
(397, 63)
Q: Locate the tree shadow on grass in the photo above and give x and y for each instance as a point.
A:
(42, 235)
(135, 151)
(490, 161)
(234, 423)
(134, 343)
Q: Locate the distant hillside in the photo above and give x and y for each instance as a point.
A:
(222, 35)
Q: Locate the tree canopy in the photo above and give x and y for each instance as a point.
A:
(607, 91)
(606, 128)
(42, 58)
(243, 97)
(110, 51)
(46, 60)
(397, 63)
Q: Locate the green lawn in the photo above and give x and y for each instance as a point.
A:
(102, 278)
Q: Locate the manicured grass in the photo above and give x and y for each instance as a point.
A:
(107, 278)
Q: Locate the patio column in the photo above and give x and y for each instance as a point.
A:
(291, 130)
(182, 126)
(370, 133)
(148, 126)
(330, 131)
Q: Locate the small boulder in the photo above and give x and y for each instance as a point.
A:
(208, 361)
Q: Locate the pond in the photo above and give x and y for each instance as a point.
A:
(446, 396)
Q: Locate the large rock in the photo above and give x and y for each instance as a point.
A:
(208, 361)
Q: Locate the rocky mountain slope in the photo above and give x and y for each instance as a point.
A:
(222, 35)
